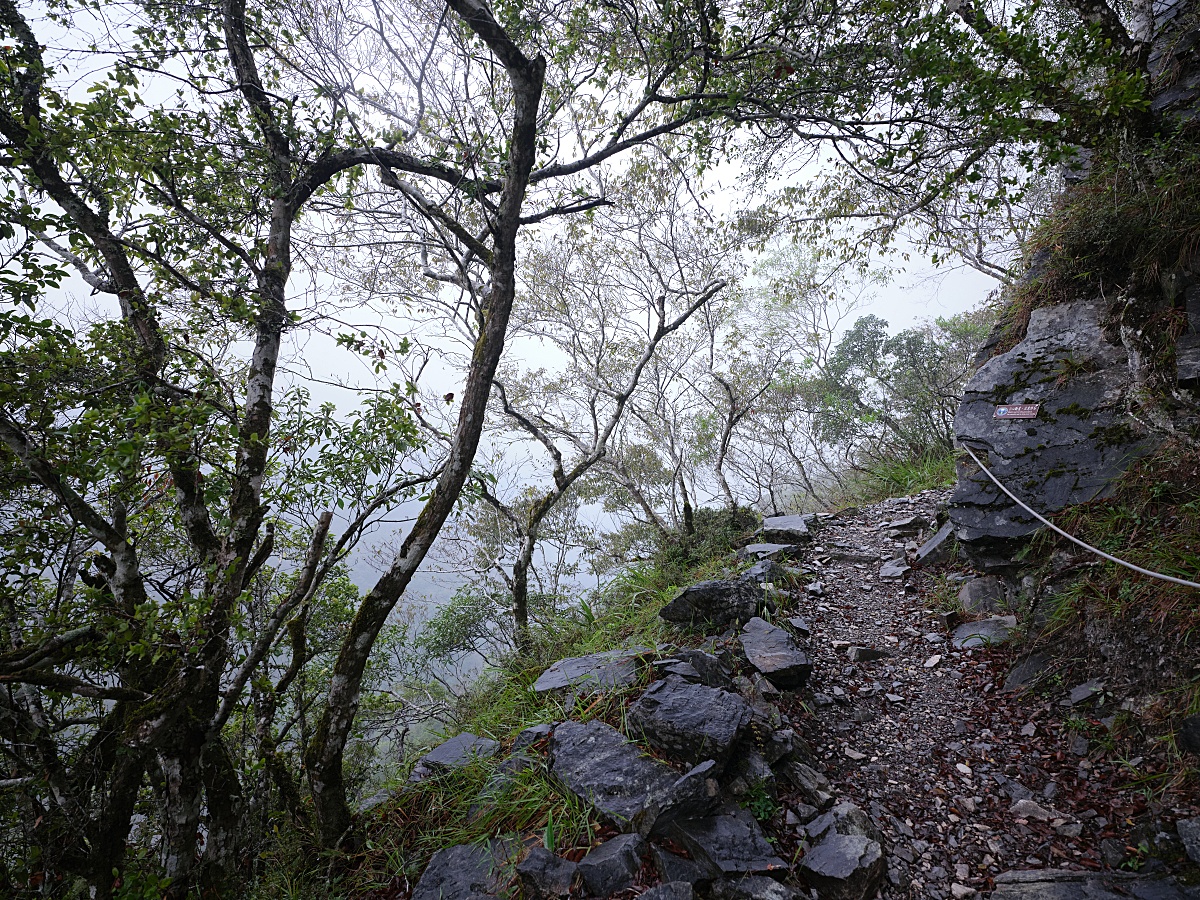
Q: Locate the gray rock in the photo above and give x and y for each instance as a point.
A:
(711, 670)
(693, 795)
(714, 603)
(812, 784)
(609, 868)
(672, 890)
(788, 529)
(844, 867)
(772, 552)
(894, 570)
(1189, 835)
(689, 722)
(672, 867)
(938, 549)
(845, 818)
(774, 653)
(1014, 788)
(730, 844)
(465, 872)
(1081, 441)
(1189, 735)
(996, 630)
(501, 780)
(1086, 692)
(800, 625)
(461, 750)
(679, 669)
(763, 571)
(909, 526)
(1026, 672)
(527, 737)
(544, 875)
(1052, 884)
(600, 766)
(983, 595)
(376, 800)
(594, 673)
(749, 772)
(752, 887)
(784, 742)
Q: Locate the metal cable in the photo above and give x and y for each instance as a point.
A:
(1072, 538)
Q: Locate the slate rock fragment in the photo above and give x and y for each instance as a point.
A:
(672, 867)
(983, 595)
(465, 872)
(788, 529)
(600, 766)
(594, 673)
(996, 630)
(689, 722)
(938, 549)
(775, 653)
(844, 867)
(752, 887)
(731, 844)
(609, 868)
(714, 603)
(671, 890)
(544, 875)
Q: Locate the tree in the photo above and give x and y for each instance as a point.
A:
(603, 300)
(954, 127)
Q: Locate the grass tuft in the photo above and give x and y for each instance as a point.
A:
(898, 477)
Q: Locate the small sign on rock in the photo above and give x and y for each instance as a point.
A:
(1017, 411)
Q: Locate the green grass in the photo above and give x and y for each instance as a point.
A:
(897, 477)
(1133, 221)
(1152, 520)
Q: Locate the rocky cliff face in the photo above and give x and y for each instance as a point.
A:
(1081, 439)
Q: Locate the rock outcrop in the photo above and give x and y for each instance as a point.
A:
(1082, 438)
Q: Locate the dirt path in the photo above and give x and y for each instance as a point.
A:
(927, 740)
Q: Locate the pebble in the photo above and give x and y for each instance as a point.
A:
(933, 661)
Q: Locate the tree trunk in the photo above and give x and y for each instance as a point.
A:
(225, 848)
(520, 590)
(181, 812)
(324, 755)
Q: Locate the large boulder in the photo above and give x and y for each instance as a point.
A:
(714, 603)
(600, 766)
(1081, 440)
(689, 722)
(592, 674)
(774, 653)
